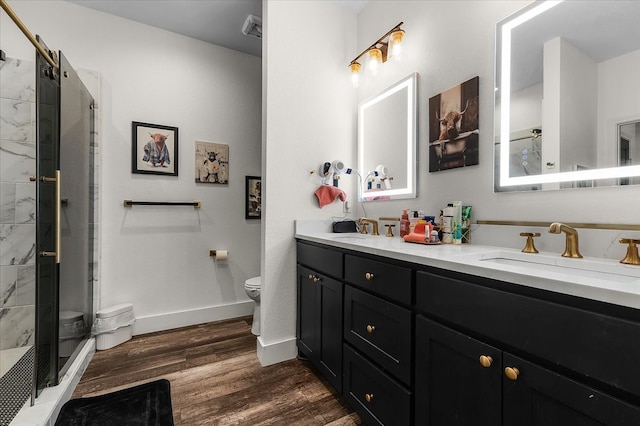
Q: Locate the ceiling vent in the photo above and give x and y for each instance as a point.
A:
(252, 26)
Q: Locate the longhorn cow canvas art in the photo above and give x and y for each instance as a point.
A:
(453, 127)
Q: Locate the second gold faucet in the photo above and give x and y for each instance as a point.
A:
(571, 248)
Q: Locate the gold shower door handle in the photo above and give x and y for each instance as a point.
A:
(57, 217)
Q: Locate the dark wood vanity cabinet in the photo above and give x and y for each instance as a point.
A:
(412, 344)
(463, 380)
(452, 386)
(319, 310)
(355, 324)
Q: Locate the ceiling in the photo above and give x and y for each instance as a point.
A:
(214, 21)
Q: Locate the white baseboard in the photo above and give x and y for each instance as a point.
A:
(273, 353)
(171, 320)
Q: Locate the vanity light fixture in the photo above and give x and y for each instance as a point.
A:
(386, 47)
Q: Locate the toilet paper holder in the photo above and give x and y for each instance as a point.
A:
(214, 253)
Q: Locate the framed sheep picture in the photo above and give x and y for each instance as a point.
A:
(212, 163)
(154, 149)
(453, 127)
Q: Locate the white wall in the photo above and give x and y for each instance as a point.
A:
(618, 94)
(158, 257)
(310, 118)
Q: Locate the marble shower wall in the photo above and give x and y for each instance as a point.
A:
(17, 203)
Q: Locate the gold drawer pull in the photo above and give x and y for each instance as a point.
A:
(368, 397)
(368, 276)
(486, 361)
(512, 373)
(371, 328)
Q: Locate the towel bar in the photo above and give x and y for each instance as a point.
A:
(130, 203)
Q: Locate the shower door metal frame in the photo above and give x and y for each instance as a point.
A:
(47, 223)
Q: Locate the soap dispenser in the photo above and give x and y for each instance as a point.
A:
(404, 223)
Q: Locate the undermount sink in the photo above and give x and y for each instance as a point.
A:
(586, 267)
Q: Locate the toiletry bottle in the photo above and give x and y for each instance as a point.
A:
(404, 224)
(414, 219)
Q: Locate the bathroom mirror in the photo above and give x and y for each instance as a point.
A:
(387, 126)
(567, 102)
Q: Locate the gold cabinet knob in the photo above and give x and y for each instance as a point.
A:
(512, 373)
(486, 361)
(368, 276)
(313, 278)
(310, 277)
(371, 328)
(368, 397)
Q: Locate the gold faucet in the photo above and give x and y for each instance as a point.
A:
(571, 246)
(364, 220)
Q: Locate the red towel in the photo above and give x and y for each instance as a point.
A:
(327, 194)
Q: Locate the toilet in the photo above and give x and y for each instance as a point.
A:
(252, 288)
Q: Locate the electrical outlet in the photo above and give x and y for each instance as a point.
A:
(346, 206)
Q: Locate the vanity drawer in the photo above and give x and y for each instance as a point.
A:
(324, 260)
(599, 346)
(380, 330)
(378, 398)
(390, 281)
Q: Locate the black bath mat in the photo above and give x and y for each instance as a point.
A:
(148, 404)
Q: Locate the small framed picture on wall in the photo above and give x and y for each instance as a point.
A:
(154, 149)
(253, 206)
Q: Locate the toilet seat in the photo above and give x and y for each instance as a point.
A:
(253, 283)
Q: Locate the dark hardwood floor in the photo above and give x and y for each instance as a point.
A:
(216, 378)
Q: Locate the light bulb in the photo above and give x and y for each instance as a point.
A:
(395, 44)
(374, 60)
(354, 67)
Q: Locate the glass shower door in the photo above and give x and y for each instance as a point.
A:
(47, 220)
(64, 278)
(75, 289)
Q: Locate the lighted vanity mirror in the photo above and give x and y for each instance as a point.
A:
(567, 96)
(387, 126)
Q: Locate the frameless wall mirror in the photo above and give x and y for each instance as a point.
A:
(387, 127)
(567, 102)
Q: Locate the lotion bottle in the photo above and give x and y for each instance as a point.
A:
(404, 224)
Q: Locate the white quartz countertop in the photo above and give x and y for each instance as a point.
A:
(592, 278)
